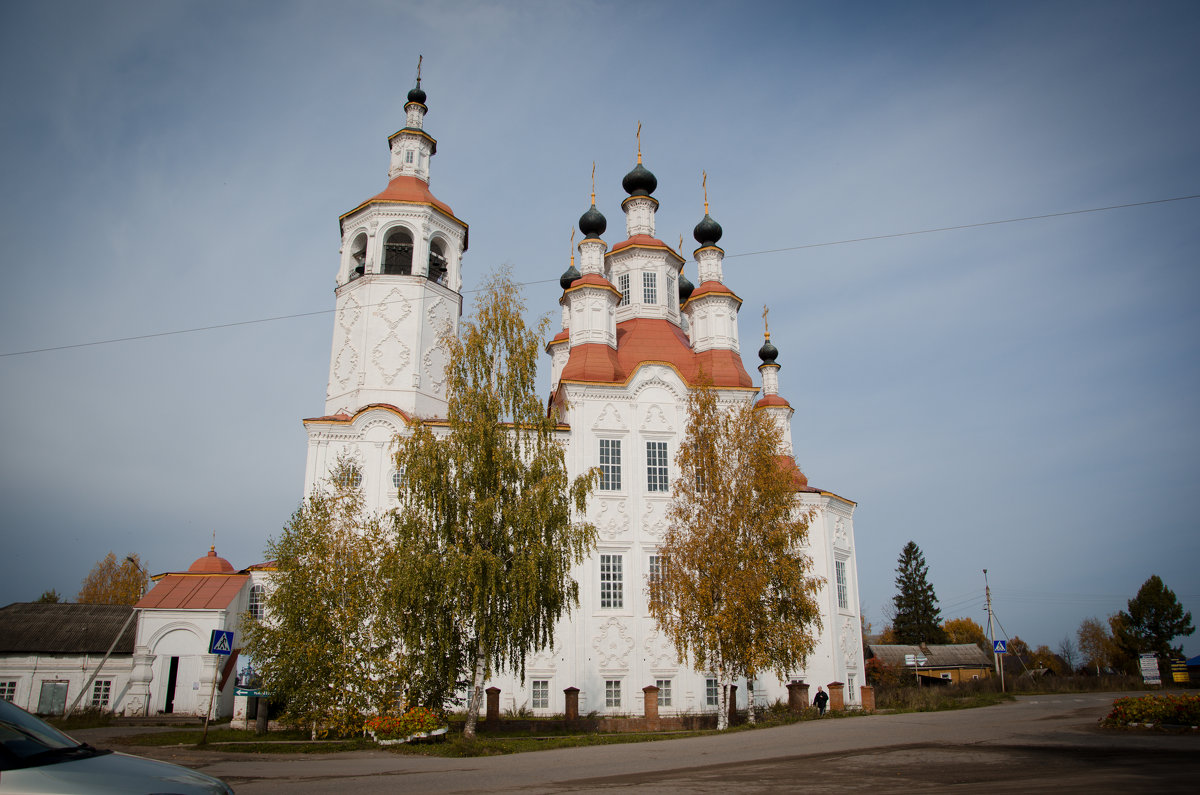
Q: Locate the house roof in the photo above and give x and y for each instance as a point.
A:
(951, 655)
(194, 592)
(65, 628)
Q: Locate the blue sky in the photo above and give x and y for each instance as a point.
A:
(1017, 397)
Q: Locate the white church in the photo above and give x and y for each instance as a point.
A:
(635, 336)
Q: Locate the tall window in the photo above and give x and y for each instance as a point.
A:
(257, 594)
(612, 583)
(623, 285)
(851, 688)
(8, 690)
(610, 464)
(612, 693)
(712, 693)
(654, 569)
(398, 252)
(649, 288)
(656, 466)
(672, 293)
(101, 691)
(541, 694)
(843, 593)
(664, 692)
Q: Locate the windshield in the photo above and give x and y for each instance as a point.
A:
(23, 736)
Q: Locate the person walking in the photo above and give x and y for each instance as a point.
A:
(820, 700)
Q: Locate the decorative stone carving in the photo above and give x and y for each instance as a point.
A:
(660, 652)
(543, 660)
(655, 419)
(612, 521)
(393, 309)
(849, 642)
(345, 364)
(390, 357)
(609, 419)
(439, 318)
(436, 359)
(613, 644)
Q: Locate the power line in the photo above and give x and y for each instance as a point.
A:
(217, 326)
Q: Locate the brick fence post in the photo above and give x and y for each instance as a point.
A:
(837, 697)
(650, 706)
(868, 698)
(797, 696)
(493, 704)
(572, 697)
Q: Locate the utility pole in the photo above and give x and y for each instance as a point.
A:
(987, 590)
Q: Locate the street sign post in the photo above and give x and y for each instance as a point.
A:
(1000, 646)
(221, 644)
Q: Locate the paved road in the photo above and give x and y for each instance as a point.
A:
(1037, 744)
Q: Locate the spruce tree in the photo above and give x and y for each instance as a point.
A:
(1155, 618)
(917, 619)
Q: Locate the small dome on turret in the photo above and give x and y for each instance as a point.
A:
(592, 223)
(417, 95)
(768, 352)
(685, 288)
(639, 182)
(707, 232)
(569, 276)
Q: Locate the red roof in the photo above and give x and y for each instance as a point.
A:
(772, 400)
(593, 279)
(787, 465)
(194, 592)
(644, 240)
(409, 190)
(712, 288)
(210, 564)
(645, 340)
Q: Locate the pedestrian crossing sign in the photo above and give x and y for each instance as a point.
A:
(1000, 646)
(221, 642)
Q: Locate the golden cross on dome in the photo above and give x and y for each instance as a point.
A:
(593, 183)
(766, 326)
(572, 247)
(704, 185)
(681, 245)
(639, 140)
(419, 59)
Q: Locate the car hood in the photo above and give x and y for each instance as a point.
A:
(119, 774)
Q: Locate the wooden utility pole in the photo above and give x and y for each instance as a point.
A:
(987, 590)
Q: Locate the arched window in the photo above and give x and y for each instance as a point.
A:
(437, 262)
(350, 477)
(398, 253)
(257, 599)
(358, 256)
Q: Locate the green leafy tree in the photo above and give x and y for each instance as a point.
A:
(113, 582)
(1154, 618)
(49, 597)
(917, 619)
(326, 644)
(487, 531)
(734, 593)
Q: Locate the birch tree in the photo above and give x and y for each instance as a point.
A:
(325, 644)
(734, 593)
(486, 530)
(113, 582)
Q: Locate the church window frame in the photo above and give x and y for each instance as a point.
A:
(653, 567)
(358, 256)
(8, 690)
(649, 287)
(408, 156)
(623, 286)
(540, 694)
(257, 607)
(657, 467)
(841, 577)
(612, 581)
(351, 479)
(101, 693)
(610, 465)
(612, 693)
(438, 269)
(712, 692)
(672, 294)
(664, 692)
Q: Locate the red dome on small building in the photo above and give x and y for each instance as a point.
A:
(211, 564)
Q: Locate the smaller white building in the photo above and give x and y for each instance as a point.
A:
(49, 654)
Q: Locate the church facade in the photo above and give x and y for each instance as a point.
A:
(636, 337)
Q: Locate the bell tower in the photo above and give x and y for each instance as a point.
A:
(398, 285)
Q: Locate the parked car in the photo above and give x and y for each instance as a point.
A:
(38, 759)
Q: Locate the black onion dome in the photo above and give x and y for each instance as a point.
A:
(685, 288)
(417, 95)
(707, 232)
(639, 182)
(768, 353)
(569, 276)
(592, 223)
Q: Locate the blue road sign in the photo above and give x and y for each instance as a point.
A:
(1000, 646)
(221, 642)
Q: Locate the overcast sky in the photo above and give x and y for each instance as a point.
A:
(1020, 397)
